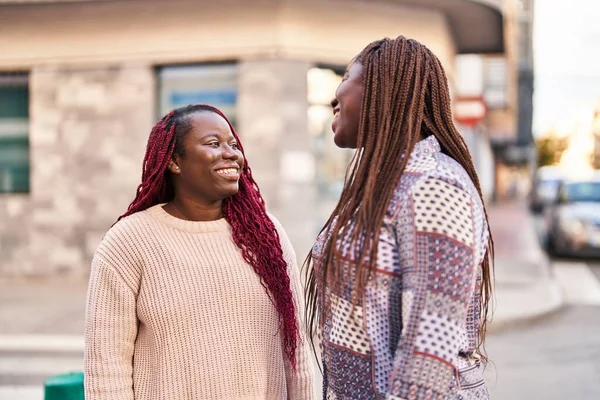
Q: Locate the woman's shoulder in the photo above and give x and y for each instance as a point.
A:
(451, 171)
(284, 240)
(122, 248)
(278, 226)
(442, 171)
(438, 180)
(127, 233)
(275, 221)
(132, 225)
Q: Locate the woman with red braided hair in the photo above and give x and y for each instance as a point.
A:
(194, 292)
(401, 274)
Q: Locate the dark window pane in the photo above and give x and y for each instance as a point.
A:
(14, 134)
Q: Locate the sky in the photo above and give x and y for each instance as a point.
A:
(567, 62)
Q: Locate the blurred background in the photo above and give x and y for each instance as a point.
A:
(83, 81)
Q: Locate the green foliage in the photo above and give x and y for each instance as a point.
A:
(549, 149)
(596, 155)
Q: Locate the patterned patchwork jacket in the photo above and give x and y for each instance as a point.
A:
(414, 332)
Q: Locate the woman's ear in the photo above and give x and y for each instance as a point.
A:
(173, 167)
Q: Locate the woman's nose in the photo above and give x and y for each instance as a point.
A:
(230, 153)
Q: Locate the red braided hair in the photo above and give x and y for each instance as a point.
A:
(252, 229)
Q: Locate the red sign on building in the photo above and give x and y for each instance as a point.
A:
(470, 111)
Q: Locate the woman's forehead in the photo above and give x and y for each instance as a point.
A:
(354, 68)
(207, 122)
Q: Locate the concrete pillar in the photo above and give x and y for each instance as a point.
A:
(88, 131)
(272, 119)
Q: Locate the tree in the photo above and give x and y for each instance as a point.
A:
(550, 148)
(596, 155)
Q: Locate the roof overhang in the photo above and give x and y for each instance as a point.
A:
(477, 25)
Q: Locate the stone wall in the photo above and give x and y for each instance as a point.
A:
(272, 117)
(88, 130)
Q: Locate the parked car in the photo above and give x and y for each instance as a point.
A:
(574, 218)
(544, 188)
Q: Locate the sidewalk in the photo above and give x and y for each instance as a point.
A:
(525, 288)
(49, 307)
(41, 333)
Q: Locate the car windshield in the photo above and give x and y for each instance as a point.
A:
(583, 191)
(550, 185)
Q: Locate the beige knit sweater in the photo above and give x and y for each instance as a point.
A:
(174, 312)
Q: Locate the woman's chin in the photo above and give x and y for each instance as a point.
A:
(339, 140)
(342, 141)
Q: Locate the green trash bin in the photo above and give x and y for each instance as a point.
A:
(64, 387)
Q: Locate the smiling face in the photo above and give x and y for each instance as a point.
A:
(346, 107)
(209, 169)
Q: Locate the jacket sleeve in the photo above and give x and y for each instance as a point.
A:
(110, 331)
(299, 382)
(436, 238)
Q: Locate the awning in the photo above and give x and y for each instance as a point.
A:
(477, 25)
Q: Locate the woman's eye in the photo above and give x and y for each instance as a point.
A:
(234, 146)
(214, 144)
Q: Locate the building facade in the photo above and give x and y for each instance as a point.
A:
(82, 83)
(510, 124)
(505, 82)
(596, 139)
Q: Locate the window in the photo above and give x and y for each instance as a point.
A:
(214, 84)
(496, 81)
(14, 133)
(581, 192)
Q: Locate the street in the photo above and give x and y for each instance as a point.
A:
(557, 356)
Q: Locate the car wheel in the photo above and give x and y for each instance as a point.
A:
(551, 246)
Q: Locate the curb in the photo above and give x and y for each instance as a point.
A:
(522, 304)
(45, 343)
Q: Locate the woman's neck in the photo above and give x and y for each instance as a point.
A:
(191, 210)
